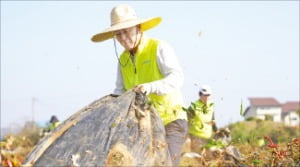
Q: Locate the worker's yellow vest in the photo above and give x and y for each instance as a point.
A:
(53, 125)
(200, 125)
(145, 69)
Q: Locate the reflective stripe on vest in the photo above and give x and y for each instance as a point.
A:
(145, 69)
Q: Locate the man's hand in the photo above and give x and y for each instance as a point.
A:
(142, 88)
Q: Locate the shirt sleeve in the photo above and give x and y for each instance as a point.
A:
(119, 83)
(170, 69)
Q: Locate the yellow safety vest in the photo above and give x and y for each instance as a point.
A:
(145, 69)
(53, 125)
(200, 125)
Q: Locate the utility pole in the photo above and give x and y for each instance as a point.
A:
(32, 111)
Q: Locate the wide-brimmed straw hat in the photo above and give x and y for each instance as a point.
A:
(123, 16)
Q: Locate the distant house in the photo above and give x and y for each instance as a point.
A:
(269, 108)
(289, 113)
(263, 107)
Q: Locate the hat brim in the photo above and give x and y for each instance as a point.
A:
(205, 94)
(108, 33)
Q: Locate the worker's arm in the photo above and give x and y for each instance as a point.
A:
(119, 83)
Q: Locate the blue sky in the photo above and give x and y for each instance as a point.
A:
(246, 49)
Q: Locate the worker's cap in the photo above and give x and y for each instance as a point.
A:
(205, 90)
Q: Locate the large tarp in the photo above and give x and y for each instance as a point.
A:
(122, 131)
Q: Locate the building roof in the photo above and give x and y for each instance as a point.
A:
(263, 101)
(290, 106)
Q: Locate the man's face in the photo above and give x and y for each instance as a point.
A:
(204, 98)
(128, 37)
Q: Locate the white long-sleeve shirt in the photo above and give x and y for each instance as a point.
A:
(168, 66)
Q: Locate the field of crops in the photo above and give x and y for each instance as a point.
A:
(269, 152)
(285, 154)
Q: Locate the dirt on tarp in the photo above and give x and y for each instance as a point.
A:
(111, 131)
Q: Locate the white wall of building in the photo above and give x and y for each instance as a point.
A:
(275, 112)
(251, 112)
(291, 119)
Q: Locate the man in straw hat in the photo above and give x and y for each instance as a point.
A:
(149, 66)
